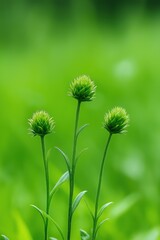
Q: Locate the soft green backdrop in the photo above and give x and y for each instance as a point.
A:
(41, 51)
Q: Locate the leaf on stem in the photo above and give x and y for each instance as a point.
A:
(4, 237)
(84, 235)
(81, 152)
(65, 158)
(61, 180)
(101, 223)
(81, 129)
(89, 210)
(39, 211)
(77, 200)
(103, 208)
(56, 225)
(45, 215)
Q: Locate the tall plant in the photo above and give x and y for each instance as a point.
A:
(83, 90)
(115, 121)
(42, 124)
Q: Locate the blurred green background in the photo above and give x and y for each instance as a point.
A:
(44, 45)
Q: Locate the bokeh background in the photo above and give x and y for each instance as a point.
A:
(44, 45)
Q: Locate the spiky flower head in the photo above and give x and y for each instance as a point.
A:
(41, 123)
(82, 88)
(116, 120)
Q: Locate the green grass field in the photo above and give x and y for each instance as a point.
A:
(39, 57)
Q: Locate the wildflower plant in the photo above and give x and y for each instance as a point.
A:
(83, 90)
(116, 121)
(42, 124)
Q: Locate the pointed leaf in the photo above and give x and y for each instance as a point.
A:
(52, 238)
(65, 158)
(81, 129)
(84, 235)
(54, 222)
(45, 215)
(77, 201)
(81, 152)
(103, 208)
(4, 237)
(101, 223)
(39, 211)
(89, 210)
(61, 180)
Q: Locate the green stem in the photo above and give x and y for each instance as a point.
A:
(47, 187)
(98, 190)
(72, 174)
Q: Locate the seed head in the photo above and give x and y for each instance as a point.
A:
(82, 88)
(41, 124)
(116, 120)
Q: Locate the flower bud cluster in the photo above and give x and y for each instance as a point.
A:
(83, 89)
(116, 120)
(41, 123)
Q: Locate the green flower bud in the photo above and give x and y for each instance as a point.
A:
(41, 124)
(83, 89)
(116, 120)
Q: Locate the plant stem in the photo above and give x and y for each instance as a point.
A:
(47, 186)
(72, 173)
(95, 220)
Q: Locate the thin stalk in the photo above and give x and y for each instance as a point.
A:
(95, 220)
(72, 174)
(47, 187)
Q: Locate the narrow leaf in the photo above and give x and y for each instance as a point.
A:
(101, 223)
(84, 235)
(65, 158)
(54, 222)
(77, 201)
(89, 210)
(81, 129)
(4, 237)
(52, 238)
(103, 208)
(45, 215)
(61, 180)
(81, 152)
(39, 211)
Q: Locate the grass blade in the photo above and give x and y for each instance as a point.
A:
(61, 180)
(84, 235)
(39, 211)
(81, 129)
(103, 208)
(3, 237)
(77, 201)
(100, 224)
(56, 225)
(65, 158)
